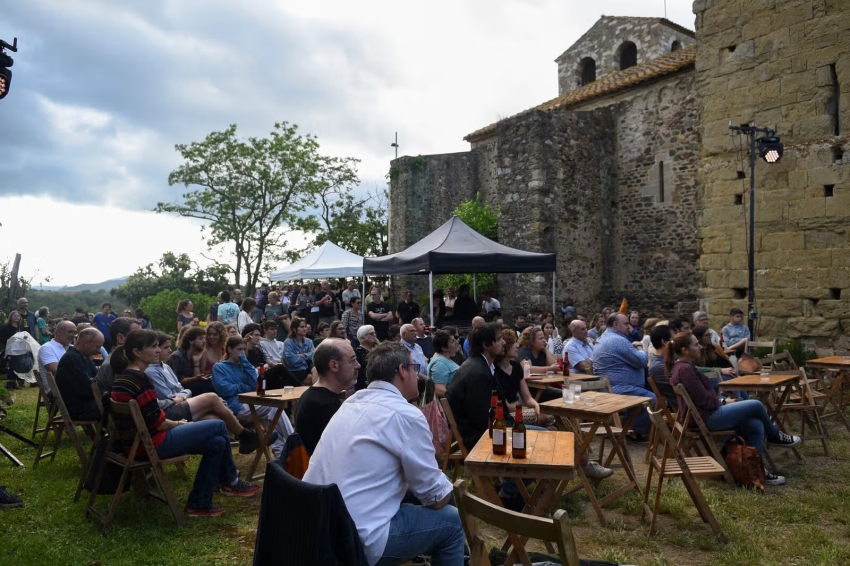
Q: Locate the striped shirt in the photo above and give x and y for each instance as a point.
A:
(132, 384)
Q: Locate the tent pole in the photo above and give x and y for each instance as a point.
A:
(554, 303)
(475, 288)
(431, 295)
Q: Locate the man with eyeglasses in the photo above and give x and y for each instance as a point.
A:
(49, 354)
(408, 340)
(377, 447)
(379, 314)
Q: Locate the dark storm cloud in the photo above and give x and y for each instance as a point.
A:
(103, 90)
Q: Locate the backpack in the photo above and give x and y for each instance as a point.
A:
(745, 463)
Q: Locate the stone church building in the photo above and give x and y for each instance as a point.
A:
(632, 176)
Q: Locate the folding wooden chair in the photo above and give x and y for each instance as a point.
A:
(455, 449)
(688, 469)
(753, 346)
(133, 462)
(805, 405)
(692, 438)
(602, 384)
(41, 402)
(660, 405)
(519, 527)
(59, 421)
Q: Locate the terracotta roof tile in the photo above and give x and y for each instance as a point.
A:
(608, 84)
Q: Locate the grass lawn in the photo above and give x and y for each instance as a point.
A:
(803, 522)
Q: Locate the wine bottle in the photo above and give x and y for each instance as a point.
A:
(566, 364)
(261, 381)
(494, 400)
(518, 435)
(500, 437)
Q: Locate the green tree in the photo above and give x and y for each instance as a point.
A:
(478, 215)
(359, 225)
(253, 192)
(173, 272)
(162, 308)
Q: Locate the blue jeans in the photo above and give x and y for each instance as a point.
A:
(416, 530)
(211, 441)
(747, 418)
(641, 424)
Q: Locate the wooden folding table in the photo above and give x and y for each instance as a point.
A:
(840, 365)
(539, 383)
(605, 407)
(268, 400)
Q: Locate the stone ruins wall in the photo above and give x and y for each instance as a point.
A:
(786, 64)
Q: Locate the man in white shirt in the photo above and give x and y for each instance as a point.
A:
(408, 340)
(49, 354)
(579, 349)
(491, 305)
(375, 447)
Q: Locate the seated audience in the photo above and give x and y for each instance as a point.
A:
(681, 323)
(408, 340)
(251, 334)
(368, 339)
(271, 347)
(423, 339)
(749, 418)
(186, 361)
(579, 349)
(646, 342)
(625, 365)
(660, 336)
(323, 330)
(74, 374)
(476, 322)
(736, 334)
(171, 438)
(337, 330)
(336, 368)
(246, 314)
(49, 354)
(394, 333)
(298, 350)
(511, 386)
(118, 329)
(520, 324)
(701, 319)
(533, 347)
(214, 340)
(441, 368)
(635, 331)
(459, 356)
(181, 405)
(554, 343)
(236, 375)
(598, 328)
(392, 437)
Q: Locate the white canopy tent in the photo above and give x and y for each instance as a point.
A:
(329, 260)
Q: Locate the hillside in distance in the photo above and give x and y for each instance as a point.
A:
(103, 285)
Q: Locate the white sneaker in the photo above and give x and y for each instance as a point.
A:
(597, 471)
(773, 479)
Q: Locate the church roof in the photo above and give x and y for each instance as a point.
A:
(609, 84)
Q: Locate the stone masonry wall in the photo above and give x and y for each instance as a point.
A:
(777, 63)
(602, 43)
(656, 249)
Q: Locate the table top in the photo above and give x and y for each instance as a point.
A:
(840, 361)
(254, 399)
(549, 455)
(749, 382)
(607, 404)
(540, 381)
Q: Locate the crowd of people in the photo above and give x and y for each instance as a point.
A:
(363, 365)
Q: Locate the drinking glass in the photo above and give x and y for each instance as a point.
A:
(577, 391)
(550, 374)
(288, 389)
(589, 400)
(568, 394)
(765, 375)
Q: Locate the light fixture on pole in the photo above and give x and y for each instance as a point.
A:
(766, 142)
(5, 63)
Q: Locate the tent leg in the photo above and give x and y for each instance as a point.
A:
(433, 323)
(554, 302)
(475, 288)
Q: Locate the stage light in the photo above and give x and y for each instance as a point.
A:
(5, 63)
(5, 80)
(771, 149)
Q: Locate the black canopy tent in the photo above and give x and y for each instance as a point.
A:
(454, 247)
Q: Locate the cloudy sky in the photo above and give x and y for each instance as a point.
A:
(103, 90)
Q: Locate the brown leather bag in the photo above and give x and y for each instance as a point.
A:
(747, 363)
(745, 463)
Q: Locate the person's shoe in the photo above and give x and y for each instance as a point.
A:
(11, 386)
(784, 440)
(637, 438)
(212, 511)
(773, 479)
(514, 503)
(9, 500)
(248, 441)
(241, 489)
(596, 471)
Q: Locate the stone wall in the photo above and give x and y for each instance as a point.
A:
(777, 63)
(603, 42)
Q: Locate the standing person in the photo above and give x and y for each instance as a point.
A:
(245, 316)
(352, 319)
(237, 297)
(42, 326)
(350, 292)
(12, 327)
(449, 301)
(212, 315)
(533, 347)
(736, 335)
(323, 298)
(227, 312)
(173, 438)
(28, 318)
(490, 305)
(298, 349)
(392, 437)
(465, 307)
(748, 418)
(236, 375)
(368, 339)
(336, 370)
(277, 312)
(79, 316)
(102, 321)
(302, 302)
(144, 319)
(441, 368)
(185, 314)
(408, 309)
(186, 361)
(379, 315)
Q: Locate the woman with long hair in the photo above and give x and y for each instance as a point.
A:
(352, 319)
(553, 340)
(235, 375)
(509, 376)
(533, 347)
(172, 438)
(749, 418)
(186, 360)
(337, 330)
(179, 403)
(215, 338)
(185, 314)
(252, 336)
(245, 314)
(298, 350)
(441, 368)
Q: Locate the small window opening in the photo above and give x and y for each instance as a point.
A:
(739, 293)
(739, 199)
(835, 102)
(731, 48)
(742, 175)
(835, 293)
(676, 46)
(588, 71)
(837, 153)
(828, 190)
(660, 181)
(628, 55)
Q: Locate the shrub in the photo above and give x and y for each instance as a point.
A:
(797, 349)
(162, 308)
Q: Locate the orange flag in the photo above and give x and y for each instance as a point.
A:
(624, 306)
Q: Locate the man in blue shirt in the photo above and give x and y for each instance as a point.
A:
(579, 350)
(227, 312)
(102, 321)
(625, 365)
(476, 321)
